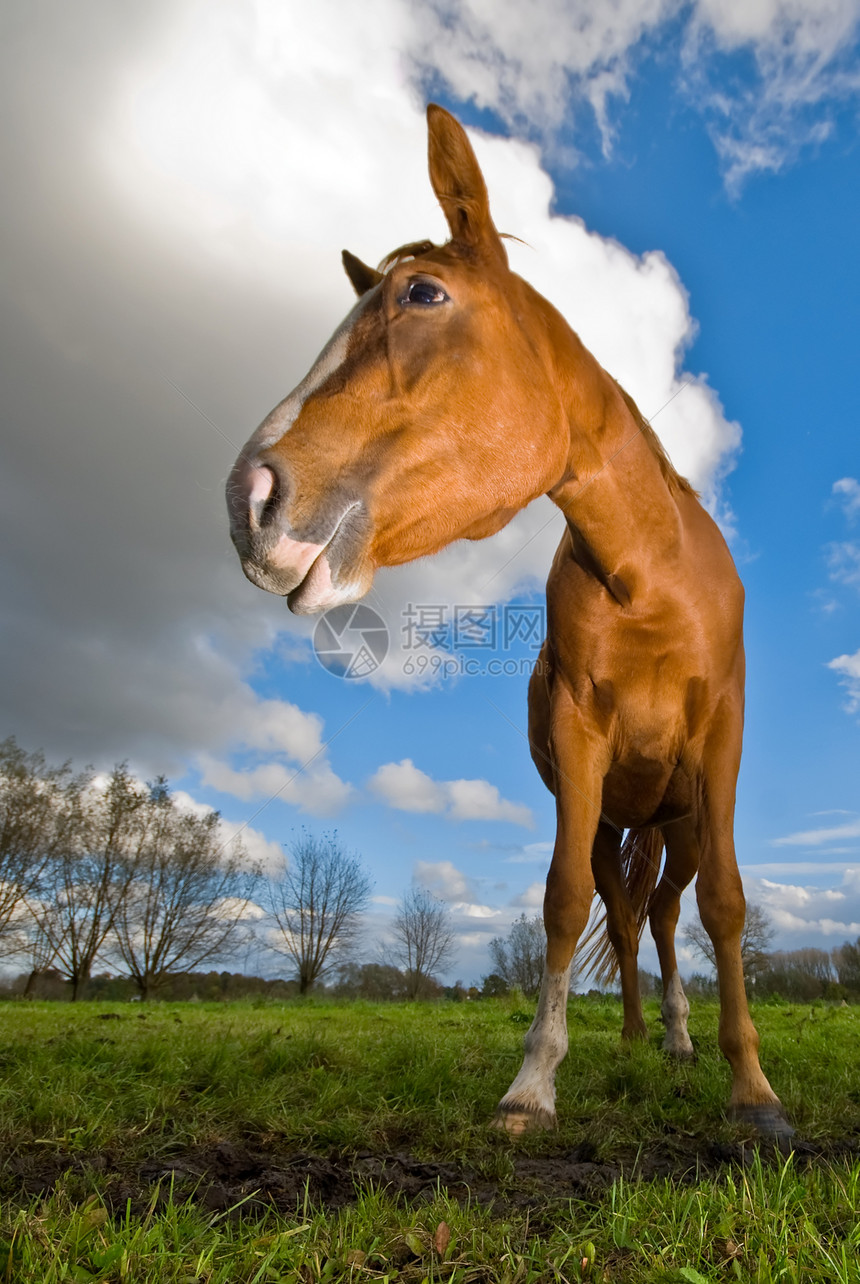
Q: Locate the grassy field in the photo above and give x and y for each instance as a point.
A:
(318, 1141)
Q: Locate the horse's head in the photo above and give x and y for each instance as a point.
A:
(430, 416)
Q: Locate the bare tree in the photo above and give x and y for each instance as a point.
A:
(423, 938)
(756, 937)
(846, 960)
(317, 905)
(33, 818)
(188, 898)
(39, 953)
(90, 871)
(519, 956)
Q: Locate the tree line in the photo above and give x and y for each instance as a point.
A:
(108, 871)
(107, 868)
(800, 975)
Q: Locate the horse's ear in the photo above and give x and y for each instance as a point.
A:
(458, 182)
(363, 278)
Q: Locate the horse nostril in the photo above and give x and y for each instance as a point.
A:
(261, 484)
(263, 493)
(254, 494)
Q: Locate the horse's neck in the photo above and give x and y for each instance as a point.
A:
(623, 517)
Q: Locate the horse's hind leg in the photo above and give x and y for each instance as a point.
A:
(621, 926)
(682, 861)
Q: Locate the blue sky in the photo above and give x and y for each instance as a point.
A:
(687, 178)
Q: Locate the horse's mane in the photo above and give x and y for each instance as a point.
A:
(410, 251)
(676, 483)
(414, 249)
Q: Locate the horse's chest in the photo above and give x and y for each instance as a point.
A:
(645, 735)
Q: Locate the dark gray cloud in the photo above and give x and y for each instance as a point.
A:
(123, 617)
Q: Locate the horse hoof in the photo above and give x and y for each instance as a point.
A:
(516, 1120)
(767, 1120)
(682, 1056)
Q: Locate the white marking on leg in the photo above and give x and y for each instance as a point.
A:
(532, 1093)
(675, 1011)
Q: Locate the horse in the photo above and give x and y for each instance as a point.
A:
(451, 396)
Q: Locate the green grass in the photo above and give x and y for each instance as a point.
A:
(764, 1225)
(329, 1078)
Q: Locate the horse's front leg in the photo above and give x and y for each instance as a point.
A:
(721, 908)
(579, 767)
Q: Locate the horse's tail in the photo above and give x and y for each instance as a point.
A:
(641, 853)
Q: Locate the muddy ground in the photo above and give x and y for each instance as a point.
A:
(226, 1175)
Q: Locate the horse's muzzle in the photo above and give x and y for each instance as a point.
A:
(301, 565)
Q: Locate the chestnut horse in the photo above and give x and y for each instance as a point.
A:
(451, 396)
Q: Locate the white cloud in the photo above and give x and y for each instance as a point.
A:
(820, 837)
(449, 884)
(261, 851)
(531, 853)
(471, 910)
(287, 752)
(472, 940)
(479, 800)
(819, 868)
(532, 897)
(805, 61)
(848, 667)
(808, 915)
(848, 488)
(316, 790)
(404, 786)
(530, 63)
(230, 908)
(537, 66)
(801, 914)
(844, 563)
(444, 880)
(280, 727)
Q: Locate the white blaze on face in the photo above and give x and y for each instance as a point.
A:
(333, 355)
(304, 561)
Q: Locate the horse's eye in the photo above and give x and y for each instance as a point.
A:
(424, 293)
